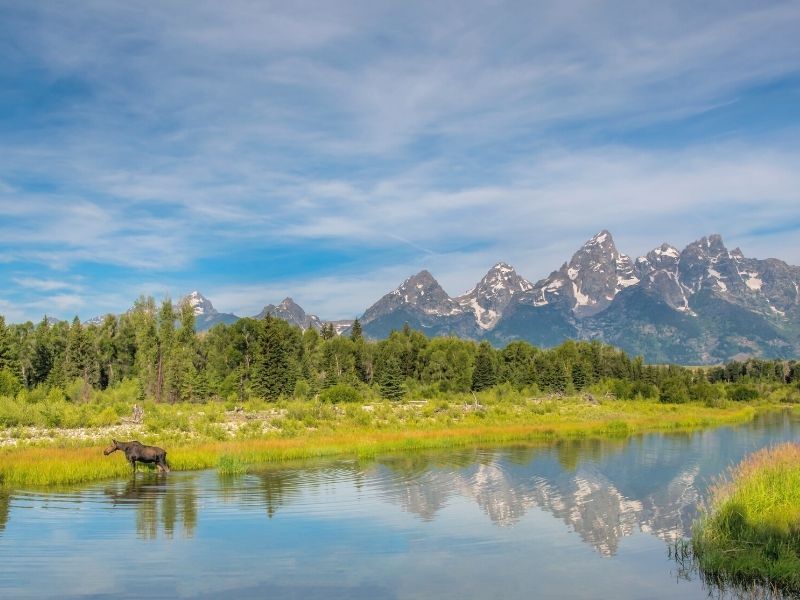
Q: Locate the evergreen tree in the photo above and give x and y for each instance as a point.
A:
(355, 331)
(5, 346)
(78, 359)
(555, 375)
(391, 384)
(274, 374)
(581, 374)
(485, 374)
(327, 332)
(143, 316)
(167, 379)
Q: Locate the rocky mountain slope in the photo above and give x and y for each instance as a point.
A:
(700, 305)
(205, 315)
(290, 311)
(704, 304)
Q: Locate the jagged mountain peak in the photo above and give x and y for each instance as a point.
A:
(202, 306)
(601, 238)
(290, 311)
(711, 246)
(423, 278)
(493, 293)
(595, 274)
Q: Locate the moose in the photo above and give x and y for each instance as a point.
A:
(136, 451)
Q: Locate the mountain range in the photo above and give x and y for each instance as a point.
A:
(704, 304)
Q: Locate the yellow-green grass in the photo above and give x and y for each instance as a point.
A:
(750, 530)
(42, 466)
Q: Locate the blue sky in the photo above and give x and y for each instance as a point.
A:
(328, 150)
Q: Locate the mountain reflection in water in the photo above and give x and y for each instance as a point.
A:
(466, 523)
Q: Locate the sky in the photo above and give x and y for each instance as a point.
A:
(328, 150)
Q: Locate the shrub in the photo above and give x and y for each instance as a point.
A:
(9, 384)
(302, 389)
(742, 393)
(106, 417)
(702, 391)
(621, 389)
(340, 393)
(674, 391)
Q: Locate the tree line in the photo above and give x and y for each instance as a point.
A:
(157, 346)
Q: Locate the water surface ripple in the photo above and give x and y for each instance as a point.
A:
(583, 519)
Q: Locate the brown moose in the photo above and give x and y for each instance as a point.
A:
(136, 451)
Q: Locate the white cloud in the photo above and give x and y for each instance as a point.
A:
(414, 136)
(44, 285)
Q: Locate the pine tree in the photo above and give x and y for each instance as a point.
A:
(5, 346)
(327, 332)
(167, 382)
(273, 374)
(391, 384)
(581, 374)
(485, 374)
(355, 331)
(143, 318)
(78, 361)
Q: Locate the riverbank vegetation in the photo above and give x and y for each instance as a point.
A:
(311, 429)
(264, 383)
(750, 532)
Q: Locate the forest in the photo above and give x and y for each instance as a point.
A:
(156, 352)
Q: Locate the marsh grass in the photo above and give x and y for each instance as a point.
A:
(750, 529)
(298, 430)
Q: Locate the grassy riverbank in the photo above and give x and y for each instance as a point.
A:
(750, 532)
(208, 436)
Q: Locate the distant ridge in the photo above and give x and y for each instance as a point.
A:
(701, 305)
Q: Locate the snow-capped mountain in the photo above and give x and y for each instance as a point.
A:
(704, 304)
(290, 311)
(489, 298)
(422, 303)
(590, 281)
(205, 315)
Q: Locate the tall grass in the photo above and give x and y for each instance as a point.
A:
(309, 430)
(750, 531)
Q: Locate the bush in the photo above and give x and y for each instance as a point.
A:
(743, 393)
(645, 390)
(621, 389)
(340, 393)
(702, 391)
(674, 391)
(302, 389)
(106, 417)
(9, 384)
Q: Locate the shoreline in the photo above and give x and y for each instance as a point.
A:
(63, 460)
(749, 532)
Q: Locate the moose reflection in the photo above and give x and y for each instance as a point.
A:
(5, 501)
(158, 505)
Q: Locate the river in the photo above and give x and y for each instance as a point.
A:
(582, 519)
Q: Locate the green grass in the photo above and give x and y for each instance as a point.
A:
(750, 530)
(194, 437)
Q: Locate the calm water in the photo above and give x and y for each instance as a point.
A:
(571, 520)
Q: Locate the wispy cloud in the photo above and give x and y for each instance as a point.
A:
(177, 141)
(44, 285)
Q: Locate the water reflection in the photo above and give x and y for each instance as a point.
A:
(602, 489)
(483, 522)
(159, 505)
(5, 501)
(721, 586)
